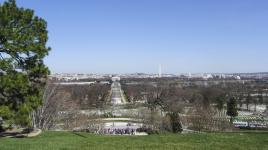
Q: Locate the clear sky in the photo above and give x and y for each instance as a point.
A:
(126, 36)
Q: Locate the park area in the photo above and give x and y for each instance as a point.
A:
(52, 140)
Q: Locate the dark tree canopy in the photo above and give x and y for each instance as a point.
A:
(23, 38)
(232, 108)
(220, 101)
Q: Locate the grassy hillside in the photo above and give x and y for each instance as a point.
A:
(69, 140)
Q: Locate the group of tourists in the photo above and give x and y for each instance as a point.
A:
(120, 131)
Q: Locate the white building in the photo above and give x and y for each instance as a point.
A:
(237, 77)
(115, 79)
(207, 76)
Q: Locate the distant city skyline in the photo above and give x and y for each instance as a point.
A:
(137, 35)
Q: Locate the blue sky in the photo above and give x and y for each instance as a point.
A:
(126, 36)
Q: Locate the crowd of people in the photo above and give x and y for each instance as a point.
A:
(120, 131)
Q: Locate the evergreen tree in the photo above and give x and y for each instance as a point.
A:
(232, 108)
(23, 38)
(220, 101)
(175, 122)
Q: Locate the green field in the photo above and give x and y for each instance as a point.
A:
(70, 140)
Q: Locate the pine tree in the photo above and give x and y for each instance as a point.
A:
(232, 108)
(23, 38)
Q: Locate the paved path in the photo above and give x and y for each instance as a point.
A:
(122, 124)
(117, 96)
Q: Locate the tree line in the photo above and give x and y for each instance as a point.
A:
(203, 101)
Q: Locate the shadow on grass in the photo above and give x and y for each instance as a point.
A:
(78, 134)
(12, 135)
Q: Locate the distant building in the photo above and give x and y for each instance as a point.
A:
(115, 79)
(237, 77)
(76, 83)
(207, 76)
(104, 82)
(189, 75)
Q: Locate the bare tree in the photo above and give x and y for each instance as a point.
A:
(248, 100)
(45, 117)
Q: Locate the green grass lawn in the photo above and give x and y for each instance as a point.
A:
(70, 140)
